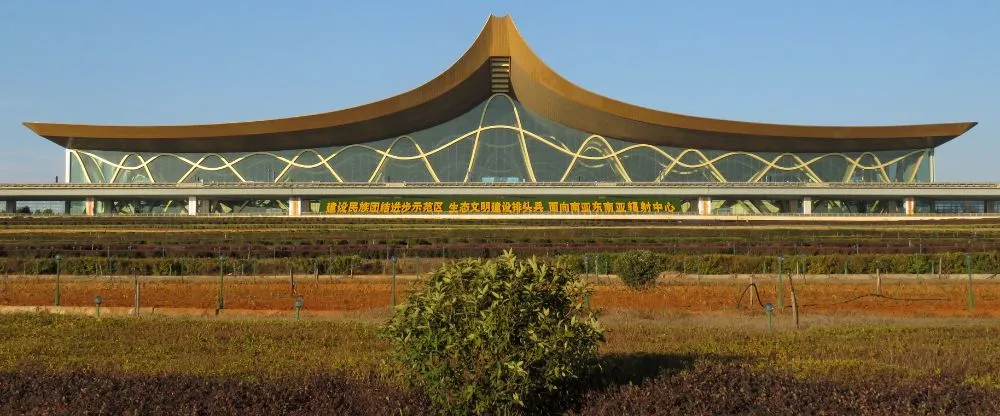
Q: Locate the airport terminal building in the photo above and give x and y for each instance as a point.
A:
(497, 123)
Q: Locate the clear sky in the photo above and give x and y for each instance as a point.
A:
(798, 62)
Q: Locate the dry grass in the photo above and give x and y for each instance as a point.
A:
(637, 347)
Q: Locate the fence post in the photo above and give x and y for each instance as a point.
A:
(795, 303)
(137, 303)
(58, 272)
(968, 268)
(222, 271)
(878, 281)
(781, 286)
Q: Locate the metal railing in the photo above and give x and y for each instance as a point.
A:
(291, 185)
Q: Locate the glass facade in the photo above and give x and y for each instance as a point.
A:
(500, 141)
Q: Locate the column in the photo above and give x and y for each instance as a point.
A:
(10, 206)
(807, 205)
(704, 205)
(67, 207)
(192, 205)
(294, 206)
(909, 205)
(89, 206)
(988, 206)
(793, 206)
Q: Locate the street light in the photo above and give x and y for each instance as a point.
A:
(781, 286)
(58, 264)
(98, 300)
(393, 281)
(298, 306)
(968, 268)
(222, 270)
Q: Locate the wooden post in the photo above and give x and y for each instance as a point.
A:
(137, 303)
(878, 282)
(795, 302)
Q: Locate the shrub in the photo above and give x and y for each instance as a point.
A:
(499, 335)
(638, 269)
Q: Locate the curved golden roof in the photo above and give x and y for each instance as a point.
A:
(466, 84)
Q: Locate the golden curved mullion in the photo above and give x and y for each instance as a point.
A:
(118, 167)
(145, 166)
(523, 134)
(478, 132)
(427, 162)
(773, 164)
(226, 164)
(388, 154)
(521, 139)
(666, 170)
(191, 169)
(881, 169)
(83, 167)
(707, 162)
(583, 147)
(913, 175)
(877, 166)
(322, 161)
(855, 163)
(801, 166)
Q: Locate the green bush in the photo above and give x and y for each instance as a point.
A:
(501, 335)
(638, 269)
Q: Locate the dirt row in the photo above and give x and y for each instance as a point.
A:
(909, 298)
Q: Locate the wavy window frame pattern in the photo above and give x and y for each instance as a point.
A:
(603, 145)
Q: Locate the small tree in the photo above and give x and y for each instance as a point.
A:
(638, 269)
(501, 335)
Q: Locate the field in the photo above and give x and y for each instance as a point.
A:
(905, 342)
(54, 364)
(816, 295)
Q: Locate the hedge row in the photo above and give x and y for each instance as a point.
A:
(602, 263)
(988, 262)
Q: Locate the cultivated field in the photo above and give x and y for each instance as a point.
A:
(905, 342)
(816, 295)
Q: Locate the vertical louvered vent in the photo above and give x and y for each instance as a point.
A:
(500, 74)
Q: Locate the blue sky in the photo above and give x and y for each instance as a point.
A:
(798, 62)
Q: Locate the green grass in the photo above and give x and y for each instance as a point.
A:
(244, 348)
(849, 352)
(265, 348)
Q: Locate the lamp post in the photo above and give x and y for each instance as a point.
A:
(98, 300)
(58, 271)
(781, 286)
(968, 268)
(393, 281)
(222, 272)
(298, 306)
(769, 308)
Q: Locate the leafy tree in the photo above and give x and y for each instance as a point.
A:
(500, 335)
(638, 269)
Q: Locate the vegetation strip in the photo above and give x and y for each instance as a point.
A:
(69, 365)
